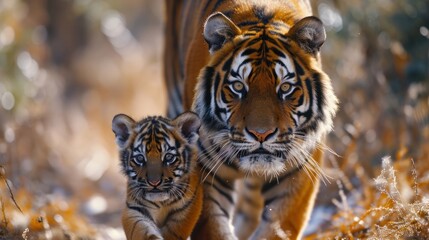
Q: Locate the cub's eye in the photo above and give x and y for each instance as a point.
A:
(238, 86)
(169, 158)
(139, 159)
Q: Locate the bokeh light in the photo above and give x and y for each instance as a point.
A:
(67, 67)
(7, 100)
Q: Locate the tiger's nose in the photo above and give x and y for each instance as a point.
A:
(154, 183)
(261, 134)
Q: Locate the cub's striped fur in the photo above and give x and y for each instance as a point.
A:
(251, 70)
(159, 159)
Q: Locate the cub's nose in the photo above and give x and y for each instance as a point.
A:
(261, 135)
(154, 183)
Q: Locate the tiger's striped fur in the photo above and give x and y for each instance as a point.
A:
(159, 159)
(251, 70)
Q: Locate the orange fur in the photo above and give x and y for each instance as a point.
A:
(251, 70)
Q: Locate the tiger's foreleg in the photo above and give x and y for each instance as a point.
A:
(288, 205)
(216, 219)
(249, 207)
(285, 217)
(137, 225)
(182, 221)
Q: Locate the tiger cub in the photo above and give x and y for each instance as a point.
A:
(159, 159)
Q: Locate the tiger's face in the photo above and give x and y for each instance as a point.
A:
(265, 94)
(157, 154)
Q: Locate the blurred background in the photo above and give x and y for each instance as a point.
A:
(68, 66)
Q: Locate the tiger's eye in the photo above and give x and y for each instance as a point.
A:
(140, 158)
(285, 87)
(169, 158)
(238, 86)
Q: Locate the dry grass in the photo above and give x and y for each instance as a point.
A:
(57, 150)
(386, 209)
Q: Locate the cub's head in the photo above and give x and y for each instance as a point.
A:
(263, 97)
(157, 154)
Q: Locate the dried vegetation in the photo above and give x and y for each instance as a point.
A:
(66, 68)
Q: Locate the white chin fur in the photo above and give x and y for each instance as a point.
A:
(262, 164)
(157, 197)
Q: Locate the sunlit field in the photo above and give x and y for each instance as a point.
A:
(67, 67)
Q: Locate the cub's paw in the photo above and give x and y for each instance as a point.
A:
(154, 237)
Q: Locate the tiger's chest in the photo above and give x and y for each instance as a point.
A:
(165, 212)
(160, 215)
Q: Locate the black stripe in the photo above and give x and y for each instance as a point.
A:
(319, 94)
(270, 40)
(220, 206)
(134, 226)
(289, 74)
(222, 95)
(277, 197)
(224, 183)
(125, 161)
(188, 158)
(174, 234)
(143, 201)
(204, 152)
(251, 186)
(298, 68)
(207, 78)
(183, 192)
(278, 52)
(216, 6)
(247, 23)
(203, 12)
(309, 113)
(226, 66)
(228, 13)
(248, 51)
(252, 42)
(203, 109)
(261, 14)
(223, 193)
(181, 209)
(141, 210)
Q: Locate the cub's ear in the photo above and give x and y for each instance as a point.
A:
(309, 33)
(218, 29)
(122, 126)
(189, 124)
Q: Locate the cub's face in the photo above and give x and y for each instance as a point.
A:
(265, 93)
(157, 154)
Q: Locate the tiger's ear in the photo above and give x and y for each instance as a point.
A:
(218, 29)
(309, 33)
(189, 124)
(122, 126)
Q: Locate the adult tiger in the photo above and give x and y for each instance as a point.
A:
(159, 159)
(252, 72)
